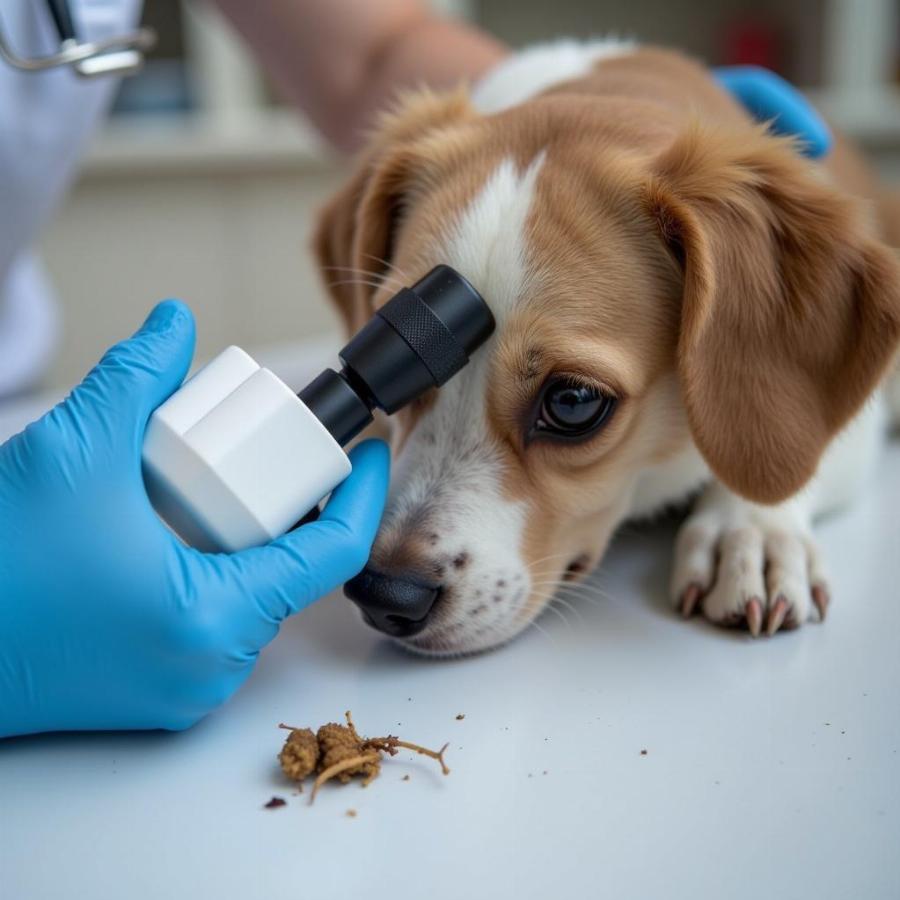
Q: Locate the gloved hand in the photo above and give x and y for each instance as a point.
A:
(106, 619)
(768, 96)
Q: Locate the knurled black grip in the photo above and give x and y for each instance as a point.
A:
(428, 336)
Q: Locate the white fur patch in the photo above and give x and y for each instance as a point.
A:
(488, 245)
(449, 470)
(668, 483)
(537, 68)
(735, 551)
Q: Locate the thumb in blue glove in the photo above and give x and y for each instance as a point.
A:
(106, 619)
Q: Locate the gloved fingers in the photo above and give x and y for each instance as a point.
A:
(138, 374)
(312, 560)
(192, 697)
(769, 97)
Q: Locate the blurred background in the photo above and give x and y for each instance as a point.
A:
(202, 186)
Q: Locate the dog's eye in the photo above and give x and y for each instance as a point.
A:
(570, 409)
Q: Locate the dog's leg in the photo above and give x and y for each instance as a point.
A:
(749, 565)
(757, 566)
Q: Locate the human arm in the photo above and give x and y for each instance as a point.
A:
(343, 61)
(107, 621)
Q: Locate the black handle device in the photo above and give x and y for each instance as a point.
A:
(418, 340)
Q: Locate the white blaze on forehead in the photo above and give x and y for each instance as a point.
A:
(487, 244)
(527, 73)
(450, 470)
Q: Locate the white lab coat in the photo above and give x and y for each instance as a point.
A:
(46, 122)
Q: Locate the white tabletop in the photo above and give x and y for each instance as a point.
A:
(771, 767)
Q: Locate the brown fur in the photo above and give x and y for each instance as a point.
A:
(720, 285)
(791, 311)
(890, 217)
(357, 227)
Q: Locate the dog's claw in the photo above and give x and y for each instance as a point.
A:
(753, 612)
(821, 599)
(689, 600)
(776, 616)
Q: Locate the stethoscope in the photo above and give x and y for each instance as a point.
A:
(122, 55)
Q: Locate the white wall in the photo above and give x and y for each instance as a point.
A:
(232, 244)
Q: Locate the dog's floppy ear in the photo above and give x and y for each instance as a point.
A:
(353, 241)
(790, 310)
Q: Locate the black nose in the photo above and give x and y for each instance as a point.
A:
(398, 605)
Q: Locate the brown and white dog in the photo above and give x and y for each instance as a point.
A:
(684, 305)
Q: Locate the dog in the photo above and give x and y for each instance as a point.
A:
(688, 311)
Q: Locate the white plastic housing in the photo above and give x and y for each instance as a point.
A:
(234, 458)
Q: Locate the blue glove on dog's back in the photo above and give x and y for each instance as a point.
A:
(106, 619)
(767, 96)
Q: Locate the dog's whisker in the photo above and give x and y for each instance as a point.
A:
(543, 631)
(588, 592)
(372, 284)
(389, 264)
(591, 587)
(544, 570)
(544, 559)
(558, 612)
(355, 269)
(546, 577)
(566, 605)
(551, 584)
(363, 279)
(548, 572)
(541, 599)
(597, 599)
(582, 585)
(370, 273)
(537, 562)
(546, 589)
(588, 598)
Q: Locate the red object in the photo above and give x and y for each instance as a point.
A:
(751, 42)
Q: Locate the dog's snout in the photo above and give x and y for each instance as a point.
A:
(397, 605)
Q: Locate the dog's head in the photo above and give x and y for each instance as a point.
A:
(712, 295)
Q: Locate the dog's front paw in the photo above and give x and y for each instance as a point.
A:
(747, 566)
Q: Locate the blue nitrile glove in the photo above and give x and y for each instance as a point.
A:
(106, 619)
(768, 96)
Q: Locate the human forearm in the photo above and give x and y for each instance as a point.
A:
(342, 61)
(436, 52)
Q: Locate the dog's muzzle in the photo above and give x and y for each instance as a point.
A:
(396, 605)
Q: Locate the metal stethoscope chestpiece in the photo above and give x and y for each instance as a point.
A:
(120, 55)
